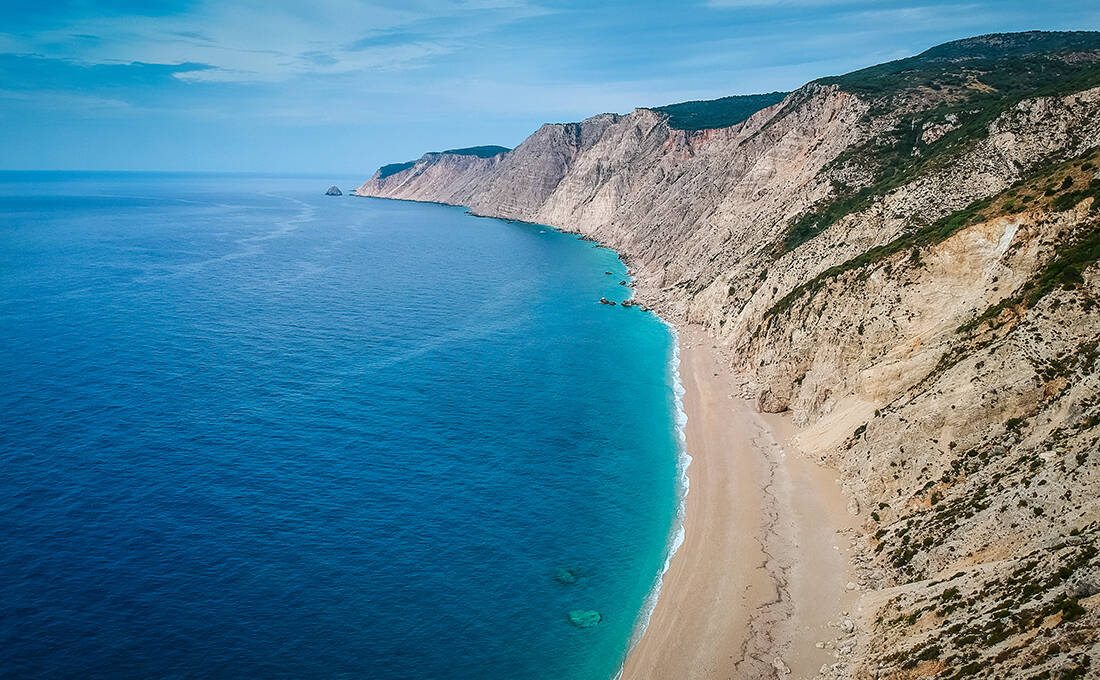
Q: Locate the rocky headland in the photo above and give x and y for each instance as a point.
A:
(904, 259)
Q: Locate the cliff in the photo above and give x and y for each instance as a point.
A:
(905, 258)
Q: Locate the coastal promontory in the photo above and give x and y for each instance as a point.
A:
(902, 261)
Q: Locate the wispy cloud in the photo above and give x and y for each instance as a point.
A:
(272, 41)
(353, 83)
(64, 100)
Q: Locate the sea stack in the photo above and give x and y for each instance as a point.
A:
(334, 191)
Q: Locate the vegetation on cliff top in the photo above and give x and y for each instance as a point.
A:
(944, 100)
(487, 151)
(711, 114)
(1006, 62)
(394, 168)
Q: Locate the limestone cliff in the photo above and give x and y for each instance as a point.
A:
(905, 258)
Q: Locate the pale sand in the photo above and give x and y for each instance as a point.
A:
(762, 570)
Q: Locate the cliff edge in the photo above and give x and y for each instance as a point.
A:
(905, 258)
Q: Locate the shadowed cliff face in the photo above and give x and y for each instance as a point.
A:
(905, 258)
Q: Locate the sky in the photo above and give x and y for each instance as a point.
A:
(343, 86)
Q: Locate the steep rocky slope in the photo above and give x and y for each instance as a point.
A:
(452, 176)
(905, 257)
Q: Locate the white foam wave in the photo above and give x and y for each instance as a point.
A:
(676, 536)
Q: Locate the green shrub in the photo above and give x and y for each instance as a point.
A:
(1071, 610)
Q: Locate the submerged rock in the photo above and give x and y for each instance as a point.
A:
(568, 575)
(605, 301)
(334, 191)
(584, 618)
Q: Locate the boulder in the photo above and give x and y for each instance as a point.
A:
(334, 191)
(1083, 584)
(770, 402)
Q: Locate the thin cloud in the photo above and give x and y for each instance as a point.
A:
(272, 41)
(65, 100)
(389, 78)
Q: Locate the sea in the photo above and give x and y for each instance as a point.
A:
(248, 430)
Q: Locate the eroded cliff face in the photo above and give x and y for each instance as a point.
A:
(939, 342)
(436, 178)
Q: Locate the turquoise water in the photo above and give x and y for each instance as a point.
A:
(248, 430)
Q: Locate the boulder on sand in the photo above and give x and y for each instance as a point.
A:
(770, 402)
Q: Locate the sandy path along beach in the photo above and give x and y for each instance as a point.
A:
(762, 570)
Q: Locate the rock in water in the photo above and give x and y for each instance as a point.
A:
(584, 618)
(334, 191)
(567, 575)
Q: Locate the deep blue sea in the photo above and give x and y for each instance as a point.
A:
(251, 431)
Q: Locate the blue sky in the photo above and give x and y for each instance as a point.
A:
(337, 86)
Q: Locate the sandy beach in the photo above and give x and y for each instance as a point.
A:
(760, 577)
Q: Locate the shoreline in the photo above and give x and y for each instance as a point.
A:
(759, 579)
(754, 582)
(683, 463)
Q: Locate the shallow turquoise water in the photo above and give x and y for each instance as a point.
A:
(248, 430)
